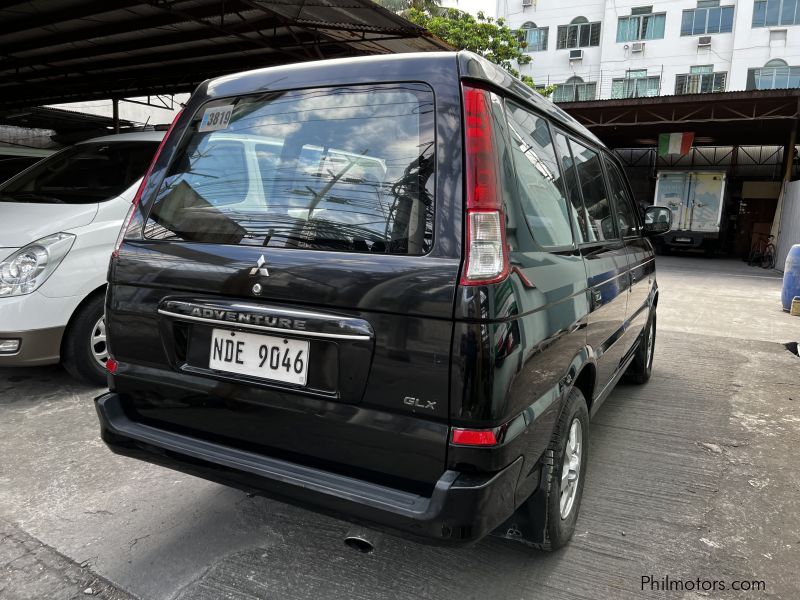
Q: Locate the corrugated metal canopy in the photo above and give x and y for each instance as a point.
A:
(55, 51)
(755, 117)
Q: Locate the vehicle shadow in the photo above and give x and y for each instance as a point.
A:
(287, 552)
(31, 385)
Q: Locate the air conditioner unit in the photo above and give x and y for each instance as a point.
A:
(527, 2)
(704, 41)
(575, 55)
(637, 47)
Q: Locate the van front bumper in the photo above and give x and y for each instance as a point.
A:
(34, 347)
(462, 507)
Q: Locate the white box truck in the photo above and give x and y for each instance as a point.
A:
(696, 199)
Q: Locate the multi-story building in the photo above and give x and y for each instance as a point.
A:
(599, 49)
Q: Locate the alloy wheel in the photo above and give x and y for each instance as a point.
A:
(571, 471)
(98, 342)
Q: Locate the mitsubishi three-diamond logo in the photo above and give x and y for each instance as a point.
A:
(260, 269)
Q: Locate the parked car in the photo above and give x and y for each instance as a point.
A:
(389, 288)
(59, 220)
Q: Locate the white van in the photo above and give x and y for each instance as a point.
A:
(59, 220)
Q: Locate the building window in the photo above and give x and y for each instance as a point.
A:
(775, 75)
(708, 17)
(643, 24)
(578, 34)
(776, 12)
(635, 84)
(535, 37)
(700, 80)
(575, 89)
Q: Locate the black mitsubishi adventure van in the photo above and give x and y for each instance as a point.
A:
(392, 289)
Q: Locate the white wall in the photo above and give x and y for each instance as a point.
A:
(472, 6)
(789, 233)
(554, 65)
(746, 47)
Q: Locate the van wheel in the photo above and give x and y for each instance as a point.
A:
(569, 449)
(642, 364)
(84, 351)
(546, 520)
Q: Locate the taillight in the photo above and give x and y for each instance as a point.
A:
(486, 251)
(111, 366)
(474, 437)
(135, 202)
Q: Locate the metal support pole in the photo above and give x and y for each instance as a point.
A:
(115, 108)
(788, 155)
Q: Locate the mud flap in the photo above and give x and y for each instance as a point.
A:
(528, 523)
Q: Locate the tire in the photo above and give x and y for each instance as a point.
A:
(540, 522)
(642, 364)
(84, 349)
(561, 526)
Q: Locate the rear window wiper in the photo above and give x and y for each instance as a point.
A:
(334, 178)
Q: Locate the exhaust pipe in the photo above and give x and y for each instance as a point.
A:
(362, 540)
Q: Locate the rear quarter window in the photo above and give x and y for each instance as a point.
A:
(542, 199)
(344, 168)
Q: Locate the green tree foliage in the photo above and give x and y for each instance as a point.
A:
(489, 37)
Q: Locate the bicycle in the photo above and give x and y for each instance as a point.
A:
(762, 252)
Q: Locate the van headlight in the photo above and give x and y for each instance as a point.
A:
(29, 267)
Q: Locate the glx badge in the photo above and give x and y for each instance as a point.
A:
(419, 403)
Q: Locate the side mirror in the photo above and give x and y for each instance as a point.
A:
(607, 227)
(657, 220)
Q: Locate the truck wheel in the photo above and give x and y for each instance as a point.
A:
(642, 364)
(84, 351)
(546, 520)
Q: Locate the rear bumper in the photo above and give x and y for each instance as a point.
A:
(689, 239)
(36, 347)
(462, 508)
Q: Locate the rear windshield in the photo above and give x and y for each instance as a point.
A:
(345, 168)
(82, 174)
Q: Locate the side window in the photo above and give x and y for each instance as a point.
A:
(590, 176)
(626, 217)
(539, 178)
(570, 179)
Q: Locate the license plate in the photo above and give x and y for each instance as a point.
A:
(684, 240)
(264, 356)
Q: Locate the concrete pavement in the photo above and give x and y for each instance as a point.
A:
(690, 477)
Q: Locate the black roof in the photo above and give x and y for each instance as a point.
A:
(463, 63)
(55, 51)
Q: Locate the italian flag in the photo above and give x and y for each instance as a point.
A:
(674, 143)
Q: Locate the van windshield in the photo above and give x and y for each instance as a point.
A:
(82, 174)
(346, 168)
